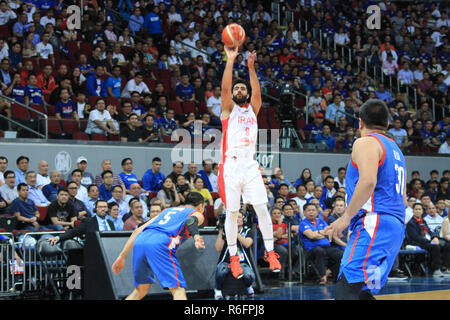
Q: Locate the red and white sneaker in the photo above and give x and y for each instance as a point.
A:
(235, 266)
(272, 258)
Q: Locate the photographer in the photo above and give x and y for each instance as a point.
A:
(244, 242)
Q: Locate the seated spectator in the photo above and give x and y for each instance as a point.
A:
(25, 210)
(213, 105)
(278, 178)
(199, 187)
(168, 194)
(151, 131)
(80, 208)
(244, 243)
(331, 112)
(82, 191)
(100, 120)
(22, 168)
(50, 190)
(168, 123)
(280, 238)
(45, 80)
(127, 176)
(86, 177)
(208, 176)
(113, 215)
(184, 91)
(136, 106)
(42, 177)
(325, 138)
(65, 108)
(132, 131)
(16, 90)
(445, 147)
(339, 181)
(114, 82)
(317, 245)
(45, 49)
(88, 225)
(136, 192)
(419, 234)
(118, 199)
(312, 128)
(324, 172)
(283, 192)
(405, 75)
(136, 217)
(8, 190)
(153, 178)
(93, 196)
(432, 218)
(409, 211)
(136, 84)
(82, 107)
(336, 213)
(105, 189)
(183, 187)
(34, 192)
(95, 85)
(107, 165)
(300, 198)
(34, 94)
(328, 188)
(318, 195)
(61, 213)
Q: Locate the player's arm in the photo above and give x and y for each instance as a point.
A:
(120, 261)
(227, 82)
(366, 155)
(192, 223)
(254, 83)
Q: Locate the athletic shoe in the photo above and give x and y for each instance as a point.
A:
(396, 276)
(438, 274)
(272, 258)
(250, 292)
(218, 294)
(235, 266)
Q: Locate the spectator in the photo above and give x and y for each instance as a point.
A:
(305, 176)
(441, 207)
(88, 225)
(35, 194)
(168, 123)
(208, 176)
(324, 172)
(168, 194)
(86, 177)
(113, 215)
(443, 190)
(400, 135)
(16, 91)
(45, 80)
(34, 94)
(135, 192)
(405, 75)
(390, 65)
(419, 234)
(136, 84)
(313, 128)
(199, 186)
(95, 85)
(328, 188)
(82, 193)
(91, 200)
(114, 82)
(340, 179)
(153, 23)
(6, 76)
(300, 198)
(325, 138)
(105, 189)
(6, 14)
(184, 91)
(65, 108)
(384, 95)
(136, 21)
(153, 178)
(445, 147)
(8, 190)
(136, 217)
(100, 120)
(151, 131)
(331, 112)
(42, 177)
(45, 49)
(3, 168)
(338, 211)
(132, 132)
(61, 213)
(280, 238)
(22, 168)
(183, 188)
(432, 190)
(278, 178)
(409, 211)
(80, 208)
(127, 176)
(51, 189)
(25, 210)
(318, 248)
(118, 199)
(433, 219)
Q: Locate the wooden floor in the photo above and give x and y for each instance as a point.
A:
(426, 295)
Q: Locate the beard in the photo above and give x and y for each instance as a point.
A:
(239, 101)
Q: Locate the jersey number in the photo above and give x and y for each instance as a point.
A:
(399, 187)
(168, 214)
(247, 131)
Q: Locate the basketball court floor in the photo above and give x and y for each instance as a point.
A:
(418, 288)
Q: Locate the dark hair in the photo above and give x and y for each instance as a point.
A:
(418, 204)
(375, 114)
(306, 205)
(300, 185)
(62, 190)
(105, 172)
(341, 168)
(112, 204)
(326, 168)
(286, 205)
(132, 114)
(71, 182)
(283, 185)
(76, 170)
(329, 177)
(7, 173)
(21, 158)
(194, 199)
(156, 159)
(20, 185)
(249, 88)
(278, 198)
(125, 160)
(120, 187)
(132, 200)
(4, 158)
(91, 186)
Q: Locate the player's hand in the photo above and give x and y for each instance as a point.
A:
(231, 52)
(118, 265)
(251, 59)
(337, 227)
(198, 242)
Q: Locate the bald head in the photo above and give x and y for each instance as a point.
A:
(43, 167)
(135, 189)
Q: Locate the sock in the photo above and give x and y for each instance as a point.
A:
(231, 231)
(265, 225)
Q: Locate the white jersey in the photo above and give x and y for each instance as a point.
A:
(239, 133)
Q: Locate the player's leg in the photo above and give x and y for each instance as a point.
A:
(139, 292)
(230, 193)
(178, 293)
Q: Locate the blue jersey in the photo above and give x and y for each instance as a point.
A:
(387, 197)
(172, 221)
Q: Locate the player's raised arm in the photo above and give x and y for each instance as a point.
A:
(227, 82)
(254, 83)
(366, 154)
(120, 261)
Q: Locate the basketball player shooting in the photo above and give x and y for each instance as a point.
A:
(238, 172)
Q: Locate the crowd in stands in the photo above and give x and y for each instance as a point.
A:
(160, 64)
(307, 204)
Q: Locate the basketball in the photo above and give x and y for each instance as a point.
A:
(233, 35)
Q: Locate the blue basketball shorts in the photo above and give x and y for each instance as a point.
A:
(374, 243)
(153, 258)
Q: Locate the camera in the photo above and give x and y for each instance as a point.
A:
(287, 110)
(221, 219)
